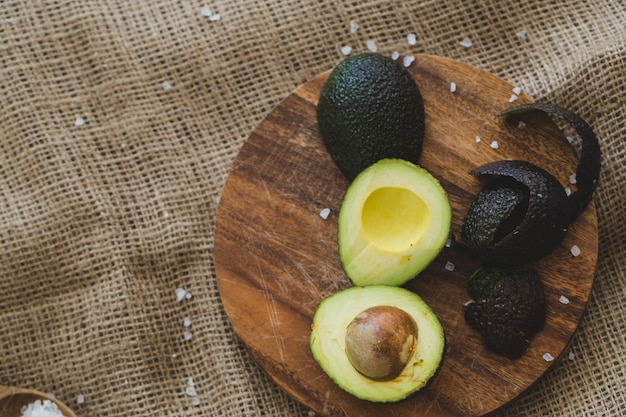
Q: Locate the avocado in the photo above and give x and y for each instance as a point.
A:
(387, 332)
(393, 221)
(370, 108)
(589, 160)
(518, 218)
(509, 310)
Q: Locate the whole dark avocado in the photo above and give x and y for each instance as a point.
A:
(511, 312)
(370, 108)
(522, 213)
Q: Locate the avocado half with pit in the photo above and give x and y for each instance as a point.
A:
(393, 222)
(378, 343)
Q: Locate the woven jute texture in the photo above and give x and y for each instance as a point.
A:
(119, 122)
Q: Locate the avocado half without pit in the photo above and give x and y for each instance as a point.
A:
(378, 343)
(393, 222)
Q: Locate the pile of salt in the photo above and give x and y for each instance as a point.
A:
(38, 408)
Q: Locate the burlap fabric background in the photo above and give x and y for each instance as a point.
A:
(119, 122)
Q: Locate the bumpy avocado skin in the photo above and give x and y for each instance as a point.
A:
(370, 108)
(522, 229)
(511, 313)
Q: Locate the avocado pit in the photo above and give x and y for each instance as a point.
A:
(379, 342)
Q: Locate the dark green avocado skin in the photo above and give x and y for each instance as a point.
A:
(513, 310)
(518, 218)
(370, 108)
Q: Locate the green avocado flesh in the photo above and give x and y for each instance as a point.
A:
(330, 325)
(393, 222)
(370, 108)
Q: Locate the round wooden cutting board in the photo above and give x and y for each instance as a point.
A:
(276, 257)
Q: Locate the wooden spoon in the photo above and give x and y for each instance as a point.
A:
(12, 400)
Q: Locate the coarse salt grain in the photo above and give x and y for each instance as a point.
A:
(568, 191)
(186, 322)
(572, 179)
(195, 401)
(563, 300)
(188, 296)
(571, 356)
(325, 213)
(180, 294)
(187, 336)
(575, 250)
(39, 408)
(548, 357)
(79, 122)
(449, 266)
(570, 139)
(466, 43)
(395, 55)
(371, 45)
(206, 11)
(448, 243)
(517, 90)
(512, 98)
(452, 87)
(408, 60)
(521, 34)
(411, 39)
(477, 139)
(354, 26)
(166, 86)
(80, 399)
(494, 144)
(521, 125)
(215, 17)
(346, 50)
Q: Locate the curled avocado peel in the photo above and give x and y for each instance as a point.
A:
(522, 212)
(509, 308)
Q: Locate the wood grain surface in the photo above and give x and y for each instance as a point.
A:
(276, 258)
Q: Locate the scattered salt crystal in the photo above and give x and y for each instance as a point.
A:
(180, 294)
(521, 125)
(206, 11)
(123, 145)
(449, 266)
(548, 357)
(186, 322)
(195, 402)
(354, 26)
(346, 50)
(311, 413)
(448, 243)
(570, 139)
(174, 355)
(571, 356)
(411, 38)
(38, 408)
(494, 144)
(512, 98)
(517, 90)
(521, 34)
(408, 60)
(477, 139)
(79, 121)
(575, 251)
(191, 391)
(563, 300)
(188, 296)
(572, 179)
(166, 86)
(568, 191)
(466, 43)
(325, 213)
(187, 336)
(371, 45)
(80, 399)
(395, 55)
(215, 17)
(217, 199)
(452, 87)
